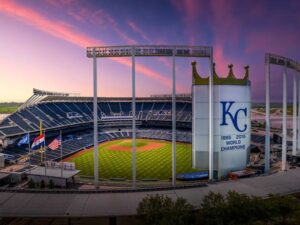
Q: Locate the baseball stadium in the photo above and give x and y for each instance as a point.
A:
(56, 136)
(113, 152)
(166, 112)
(73, 116)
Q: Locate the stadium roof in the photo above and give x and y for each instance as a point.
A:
(41, 92)
(50, 96)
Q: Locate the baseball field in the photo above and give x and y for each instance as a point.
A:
(153, 159)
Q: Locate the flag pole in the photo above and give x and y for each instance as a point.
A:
(41, 148)
(29, 151)
(61, 153)
(45, 155)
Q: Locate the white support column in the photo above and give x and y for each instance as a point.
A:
(298, 141)
(96, 175)
(61, 155)
(284, 130)
(267, 137)
(174, 122)
(133, 121)
(211, 119)
(294, 115)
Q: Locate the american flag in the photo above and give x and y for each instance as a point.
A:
(55, 144)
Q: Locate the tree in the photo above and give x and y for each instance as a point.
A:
(284, 209)
(42, 186)
(216, 209)
(213, 209)
(51, 184)
(152, 208)
(259, 211)
(161, 210)
(182, 212)
(31, 184)
(233, 209)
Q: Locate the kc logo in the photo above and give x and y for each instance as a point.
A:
(226, 105)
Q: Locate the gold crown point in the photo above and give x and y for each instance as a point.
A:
(229, 80)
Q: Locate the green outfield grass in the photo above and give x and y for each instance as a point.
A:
(8, 107)
(154, 163)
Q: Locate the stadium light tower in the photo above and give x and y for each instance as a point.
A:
(151, 50)
(286, 63)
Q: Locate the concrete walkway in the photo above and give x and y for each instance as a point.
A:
(13, 204)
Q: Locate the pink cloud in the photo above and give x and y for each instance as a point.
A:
(79, 15)
(189, 10)
(102, 18)
(150, 73)
(225, 24)
(138, 30)
(221, 61)
(55, 28)
(165, 61)
(60, 3)
(83, 13)
(67, 33)
(274, 39)
(226, 27)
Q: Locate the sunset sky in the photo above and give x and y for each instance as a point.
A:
(43, 43)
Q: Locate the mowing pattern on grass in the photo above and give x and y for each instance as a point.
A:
(156, 163)
(128, 143)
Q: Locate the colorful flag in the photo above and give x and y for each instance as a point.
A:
(38, 142)
(55, 144)
(24, 140)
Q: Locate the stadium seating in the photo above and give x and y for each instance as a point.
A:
(74, 116)
(54, 114)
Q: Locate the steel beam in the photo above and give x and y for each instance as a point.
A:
(267, 135)
(211, 119)
(294, 115)
(174, 121)
(95, 108)
(284, 128)
(133, 121)
(298, 141)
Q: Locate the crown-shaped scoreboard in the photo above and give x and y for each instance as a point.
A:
(231, 121)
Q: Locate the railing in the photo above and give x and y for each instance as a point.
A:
(150, 50)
